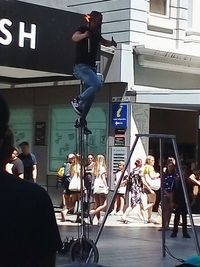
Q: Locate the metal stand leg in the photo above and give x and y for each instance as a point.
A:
(161, 137)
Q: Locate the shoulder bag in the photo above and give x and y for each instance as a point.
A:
(75, 184)
(99, 186)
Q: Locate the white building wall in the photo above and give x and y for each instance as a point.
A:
(130, 22)
(139, 124)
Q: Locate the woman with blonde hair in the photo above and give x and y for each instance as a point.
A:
(150, 175)
(75, 171)
(120, 196)
(100, 187)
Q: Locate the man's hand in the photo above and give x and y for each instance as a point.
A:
(87, 34)
(113, 42)
(79, 36)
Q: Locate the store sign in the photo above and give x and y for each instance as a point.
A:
(36, 37)
(5, 24)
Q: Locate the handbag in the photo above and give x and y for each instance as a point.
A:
(99, 186)
(121, 190)
(154, 183)
(61, 172)
(60, 175)
(75, 184)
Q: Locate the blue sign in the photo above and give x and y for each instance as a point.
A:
(119, 115)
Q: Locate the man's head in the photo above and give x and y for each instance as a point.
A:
(95, 19)
(6, 137)
(25, 148)
(15, 153)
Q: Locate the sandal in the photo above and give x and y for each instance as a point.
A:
(124, 221)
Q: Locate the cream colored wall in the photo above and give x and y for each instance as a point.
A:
(140, 116)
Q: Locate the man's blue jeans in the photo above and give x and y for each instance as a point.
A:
(92, 85)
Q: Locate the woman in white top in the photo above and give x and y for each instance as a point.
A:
(100, 173)
(75, 170)
(120, 197)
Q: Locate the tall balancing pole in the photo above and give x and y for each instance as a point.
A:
(88, 18)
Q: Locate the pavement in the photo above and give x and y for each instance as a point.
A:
(133, 244)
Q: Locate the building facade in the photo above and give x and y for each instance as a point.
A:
(153, 76)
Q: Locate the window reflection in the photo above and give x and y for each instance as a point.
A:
(158, 6)
(63, 137)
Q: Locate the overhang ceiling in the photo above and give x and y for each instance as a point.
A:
(11, 75)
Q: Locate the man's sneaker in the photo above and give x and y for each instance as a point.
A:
(173, 234)
(82, 123)
(86, 131)
(76, 105)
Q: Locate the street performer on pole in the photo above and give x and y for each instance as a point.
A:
(87, 39)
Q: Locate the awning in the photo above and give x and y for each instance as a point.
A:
(166, 98)
(35, 42)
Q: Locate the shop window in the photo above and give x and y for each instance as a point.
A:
(159, 6)
(21, 124)
(63, 134)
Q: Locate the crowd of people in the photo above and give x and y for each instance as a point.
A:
(28, 229)
(139, 188)
(144, 183)
(94, 178)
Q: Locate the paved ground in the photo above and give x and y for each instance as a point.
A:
(135, 244)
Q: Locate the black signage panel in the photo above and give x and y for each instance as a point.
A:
(40, 131)
(36, 37)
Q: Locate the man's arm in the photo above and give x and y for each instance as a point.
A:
(20, 169)
(108, 43)
(79, 36)
(194, 180)
(21, 176)
(8, 167)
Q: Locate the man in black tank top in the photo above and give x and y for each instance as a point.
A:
(88, 39)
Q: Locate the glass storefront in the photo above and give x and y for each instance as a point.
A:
(63, 133)
(21, 124)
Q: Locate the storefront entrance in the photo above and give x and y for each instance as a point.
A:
(181, 123)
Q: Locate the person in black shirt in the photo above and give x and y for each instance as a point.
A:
(29, 235)
(15, 166)
(87, 39)
(180, 207)
(29, 162)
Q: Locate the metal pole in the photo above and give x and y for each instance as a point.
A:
(113, 197)
(81, 178)
(162, 197)
(186, 196)
(116, 189)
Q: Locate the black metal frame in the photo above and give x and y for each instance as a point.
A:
(161, 137)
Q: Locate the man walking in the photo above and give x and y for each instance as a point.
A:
(87, 39)
(29, 162)
(15, 165)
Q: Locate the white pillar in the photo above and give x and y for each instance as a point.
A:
(195, 15)
(140, 116)
(193, 18)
